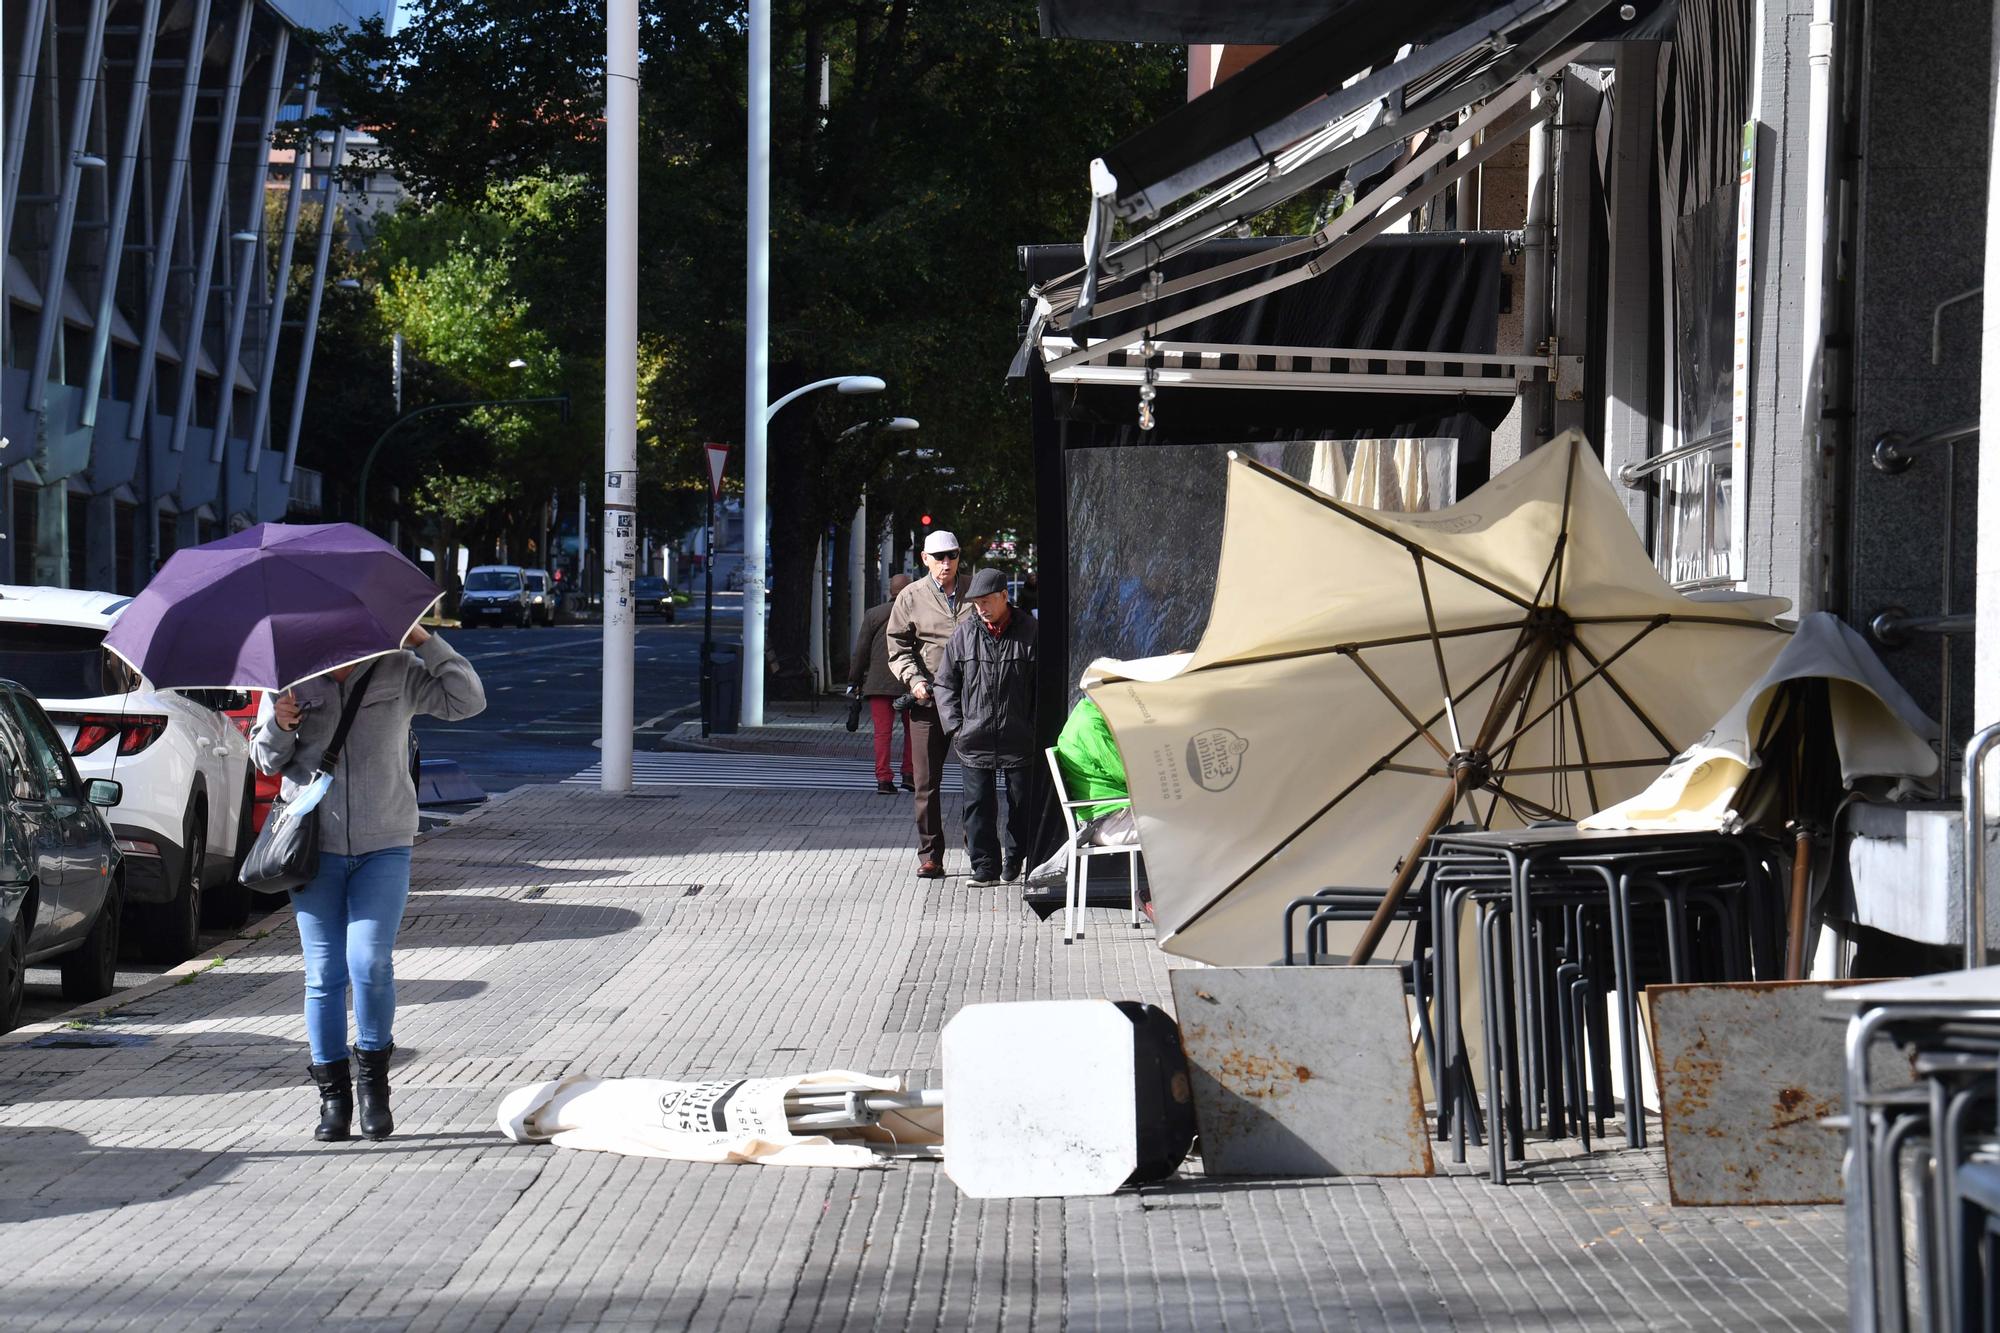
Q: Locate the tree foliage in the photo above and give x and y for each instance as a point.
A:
(950, 135)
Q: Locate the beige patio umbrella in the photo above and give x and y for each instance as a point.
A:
(1367, 677)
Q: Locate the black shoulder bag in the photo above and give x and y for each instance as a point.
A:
(286, 853)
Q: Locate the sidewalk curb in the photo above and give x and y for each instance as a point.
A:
(251, 933)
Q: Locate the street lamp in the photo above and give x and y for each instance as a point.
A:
(368, 462)
(756, 527)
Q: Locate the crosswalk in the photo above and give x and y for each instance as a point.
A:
(759, 772)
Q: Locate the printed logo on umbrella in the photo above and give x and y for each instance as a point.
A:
(1215, 757)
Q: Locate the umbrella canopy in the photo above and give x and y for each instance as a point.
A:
(1877, 731)
(271, 606)
(1367, 677)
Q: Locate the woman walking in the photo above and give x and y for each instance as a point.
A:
(349, 912)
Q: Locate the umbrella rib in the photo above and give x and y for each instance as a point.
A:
(1412, 769)
(1543, 770)
(1437, 651)
(1626, 699)
(1676, 618)
(1400, 706)
(1340, 796)
(1577, 685)
(1576, 718)
(1327, 502)
(1562, 529)
(1348, 649)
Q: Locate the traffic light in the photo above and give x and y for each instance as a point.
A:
(925, 520)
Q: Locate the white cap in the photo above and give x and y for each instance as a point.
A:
(940, 541)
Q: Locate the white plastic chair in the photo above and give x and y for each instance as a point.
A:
(1076, 865)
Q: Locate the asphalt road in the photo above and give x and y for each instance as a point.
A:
(544, 693)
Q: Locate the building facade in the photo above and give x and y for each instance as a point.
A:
(146, 229)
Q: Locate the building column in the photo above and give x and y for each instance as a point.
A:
(52, 535)
(1576, 201)
(1628, 317)
(101, 540)
(1986, 639)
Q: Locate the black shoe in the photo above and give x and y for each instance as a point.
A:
(886, 788)
(907, 784)
(372, 1083)
(982, 879)
(1012, 871)
(336, 1100)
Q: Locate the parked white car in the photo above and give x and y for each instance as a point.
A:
(183, 821)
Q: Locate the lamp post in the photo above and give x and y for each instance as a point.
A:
(756, 521)
(368, 462)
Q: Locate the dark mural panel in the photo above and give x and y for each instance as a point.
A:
(1145, 538)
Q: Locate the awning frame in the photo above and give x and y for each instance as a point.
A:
(1220, 366)
(1387, 203)
(1328, 136)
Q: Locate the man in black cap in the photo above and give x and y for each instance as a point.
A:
(985, 690)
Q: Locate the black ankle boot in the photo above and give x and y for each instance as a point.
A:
(372, 1082)
(336, 1101)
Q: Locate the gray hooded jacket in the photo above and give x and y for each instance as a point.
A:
(372, 805)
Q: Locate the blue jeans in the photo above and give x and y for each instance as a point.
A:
(347, 918)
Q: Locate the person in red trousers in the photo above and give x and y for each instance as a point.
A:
(868, 675)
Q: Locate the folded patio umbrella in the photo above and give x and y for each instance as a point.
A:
(831, 1118)
(271, 606)
(1367, 677)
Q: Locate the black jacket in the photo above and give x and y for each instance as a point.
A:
(868, 666)
(986, 692)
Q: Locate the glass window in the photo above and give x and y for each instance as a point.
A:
(493, 580)
(61, 662)
(47, 756)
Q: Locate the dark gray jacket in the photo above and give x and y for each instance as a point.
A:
(985, 691)
(868, 667)
(372, 804)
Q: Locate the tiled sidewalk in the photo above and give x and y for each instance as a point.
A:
(169, 1181)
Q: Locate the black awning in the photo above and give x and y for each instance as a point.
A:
(1233, 23)
(1405, 293)
(1192, 22)
(1227, 127)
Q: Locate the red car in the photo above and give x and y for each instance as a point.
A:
(245, 719)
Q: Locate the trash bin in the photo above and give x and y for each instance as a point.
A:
(722, 688)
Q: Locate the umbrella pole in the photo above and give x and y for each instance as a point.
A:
(1463, 778)
(1795, 923)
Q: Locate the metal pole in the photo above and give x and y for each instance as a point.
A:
(1535, 272)
(708, 616)
(121, 212)
(816, 639)
(1974, 847)
(621, 384)
(756, 387)
(858, 589)
(318, 290)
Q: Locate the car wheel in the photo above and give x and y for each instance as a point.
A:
(13, 973)
(228, 905)
(175, 927)
(91, 973)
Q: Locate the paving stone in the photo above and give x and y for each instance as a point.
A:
(173, 1184)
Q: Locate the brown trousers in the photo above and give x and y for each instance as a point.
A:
(929, 745)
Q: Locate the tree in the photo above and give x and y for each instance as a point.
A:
(953, 134)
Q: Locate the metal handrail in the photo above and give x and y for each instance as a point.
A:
(1974, 835)
(1893, 626)
(1633, 473)
(1895, 451)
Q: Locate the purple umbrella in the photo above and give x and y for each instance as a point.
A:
(270, 606)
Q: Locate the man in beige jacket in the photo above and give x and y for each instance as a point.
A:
(920, 624)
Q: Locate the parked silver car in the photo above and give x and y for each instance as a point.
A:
(62, 883)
